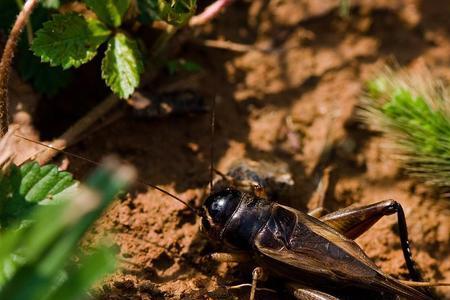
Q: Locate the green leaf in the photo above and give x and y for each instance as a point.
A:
(175, 12)
(44, 78)
(69, 40)
(122, 65)
(149, 10)
(38, 256)
(109, 11)
(51, 3)
(92, 268)
(176, 65)
(22, 188)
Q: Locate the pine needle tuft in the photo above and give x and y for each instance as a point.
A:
(412, 110)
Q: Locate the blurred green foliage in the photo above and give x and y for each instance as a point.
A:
(41, 259)
(413, 112)
(24, 187)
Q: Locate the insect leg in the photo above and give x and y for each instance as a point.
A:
(318, 212)
(301, 292)
(229, 257)
(258, 274)
(352, 222)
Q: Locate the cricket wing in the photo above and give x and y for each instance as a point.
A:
(314, 251)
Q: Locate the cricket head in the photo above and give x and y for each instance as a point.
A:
(217, 209)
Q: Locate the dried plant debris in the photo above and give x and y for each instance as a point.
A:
(412, 110)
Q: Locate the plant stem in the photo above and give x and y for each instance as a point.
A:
(163, 39)
(209, 13)
(78, 128)
(29, 27)
(5, 63)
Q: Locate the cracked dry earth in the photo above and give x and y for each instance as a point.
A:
(284, 104)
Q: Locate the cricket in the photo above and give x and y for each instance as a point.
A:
(223, 150)
(316, 248)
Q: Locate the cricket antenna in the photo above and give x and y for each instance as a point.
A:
(190, 207)
(211, 167)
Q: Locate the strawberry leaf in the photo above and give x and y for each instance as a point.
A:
(122, 65)
(69, 40)
(21, 188)
(175, 12)
(109, 11)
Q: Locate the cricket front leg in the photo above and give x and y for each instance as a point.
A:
(258, 274)
(354, 221)
(224, 257)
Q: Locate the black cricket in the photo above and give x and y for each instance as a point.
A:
(309, 251)
(313, 252)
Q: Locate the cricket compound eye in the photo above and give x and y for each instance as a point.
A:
(221, 205)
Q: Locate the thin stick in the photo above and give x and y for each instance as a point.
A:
(231, 46)
(78, 128)
(5, 63)
(209, 13)
(29, 27)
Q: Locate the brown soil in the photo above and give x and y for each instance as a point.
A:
(278, 104)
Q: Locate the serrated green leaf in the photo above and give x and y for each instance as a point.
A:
(69, 40)
(109, 11)
(22, 188)
(148, 10)
(122, 65)
(175, 12)
(44, 182)
(44, 78)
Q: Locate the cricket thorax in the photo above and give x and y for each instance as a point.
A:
(272, 179)
(234, 217)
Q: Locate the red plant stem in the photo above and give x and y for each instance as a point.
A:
(209, 13)
(7, 57)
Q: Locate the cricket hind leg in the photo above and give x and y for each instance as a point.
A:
(302, 292)
(354, 221)
(318, 212)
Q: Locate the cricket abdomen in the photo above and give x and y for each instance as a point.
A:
(303, 249)
(250, 216)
